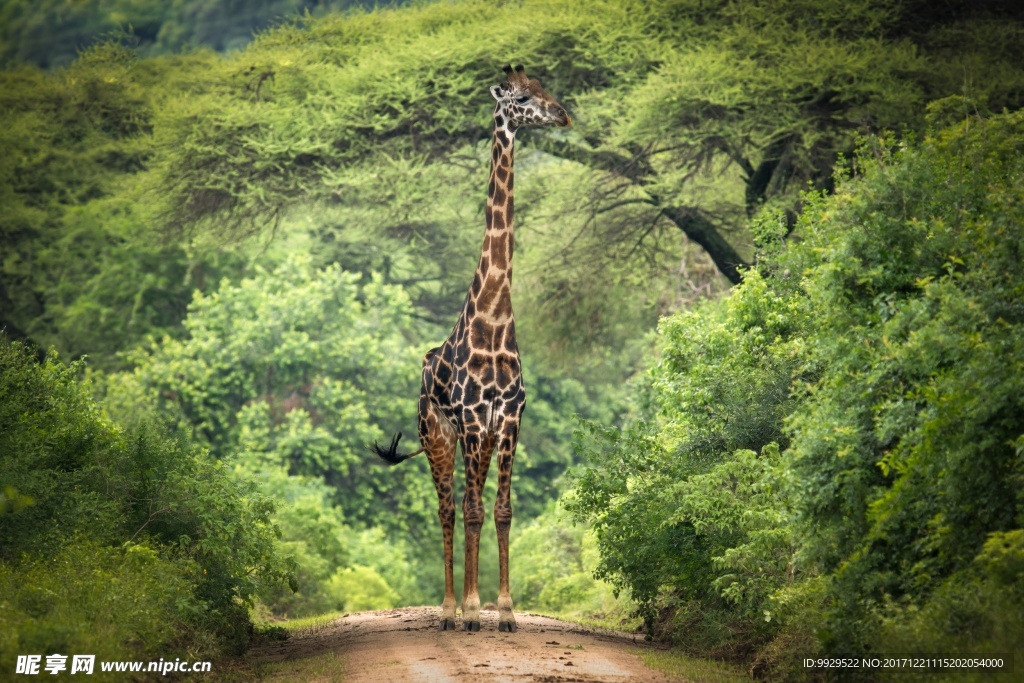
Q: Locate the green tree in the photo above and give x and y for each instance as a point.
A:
(693, 115)
(301, 368)
(80, 268)
(680, 504)
(553, 569)
(362, 138)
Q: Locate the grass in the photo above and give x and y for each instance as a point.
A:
(324, 668)
(282, 629)
(310, 625)
(695, 669)
(620, 620)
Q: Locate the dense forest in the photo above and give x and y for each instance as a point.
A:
(768, 287)
(51, 33)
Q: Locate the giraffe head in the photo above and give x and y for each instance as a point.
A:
(523, 102)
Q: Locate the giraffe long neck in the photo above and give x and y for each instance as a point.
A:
(492, 282)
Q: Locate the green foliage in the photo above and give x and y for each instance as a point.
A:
(691, 117)
(740, 512)
(323, 547)
(106, 601)
(394, 560)
(679, 665)
(133, 508)
(882, 353)
(638, 552)
(735, 58)
(290, 374)
(358, 138)
(552, 570)
(680, 503)
(313, 535)
(50, 33)
(300, 368)
(362, 589)
(904, 448)
(977, 610)
(80, 269)
(832, 452)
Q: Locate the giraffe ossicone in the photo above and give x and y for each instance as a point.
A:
(472, 392)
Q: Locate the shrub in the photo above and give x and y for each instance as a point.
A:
(883, 352)
(552, 569)
(119, 515)
(358, 588)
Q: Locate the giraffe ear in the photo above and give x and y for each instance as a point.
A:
(497, 92)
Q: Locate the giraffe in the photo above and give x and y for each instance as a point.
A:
(472, 391)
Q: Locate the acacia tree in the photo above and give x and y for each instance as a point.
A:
(694, 115)
(365, 131)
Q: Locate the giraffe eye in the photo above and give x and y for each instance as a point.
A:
(522, 99)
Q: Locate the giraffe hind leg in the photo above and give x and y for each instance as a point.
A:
(503, 522)
(438, 439)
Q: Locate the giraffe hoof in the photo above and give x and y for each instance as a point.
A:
(447, 624)
(471, 626)
(507, 626)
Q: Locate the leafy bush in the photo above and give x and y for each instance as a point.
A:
(739, 511)
(313, 535)
(883, 353)
(109, 601)
(298, 368)
(359, 588)
(552, 570)
(289, 375)
(94, 503)
(680, 504)
(904, 454)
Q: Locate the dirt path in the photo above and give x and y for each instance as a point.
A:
(404, 645)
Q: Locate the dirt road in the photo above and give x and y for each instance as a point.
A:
(404, 645)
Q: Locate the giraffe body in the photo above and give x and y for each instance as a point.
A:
(472, 392)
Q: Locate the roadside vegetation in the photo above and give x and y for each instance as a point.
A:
(768, 291)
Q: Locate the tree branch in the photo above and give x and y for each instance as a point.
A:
(689, 220)
(699, 229)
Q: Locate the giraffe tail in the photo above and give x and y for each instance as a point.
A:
(390, 455)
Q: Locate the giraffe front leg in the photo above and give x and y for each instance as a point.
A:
(477, 455)
(473, 517)
(503, 523)
(447, 516)
(506, 617)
